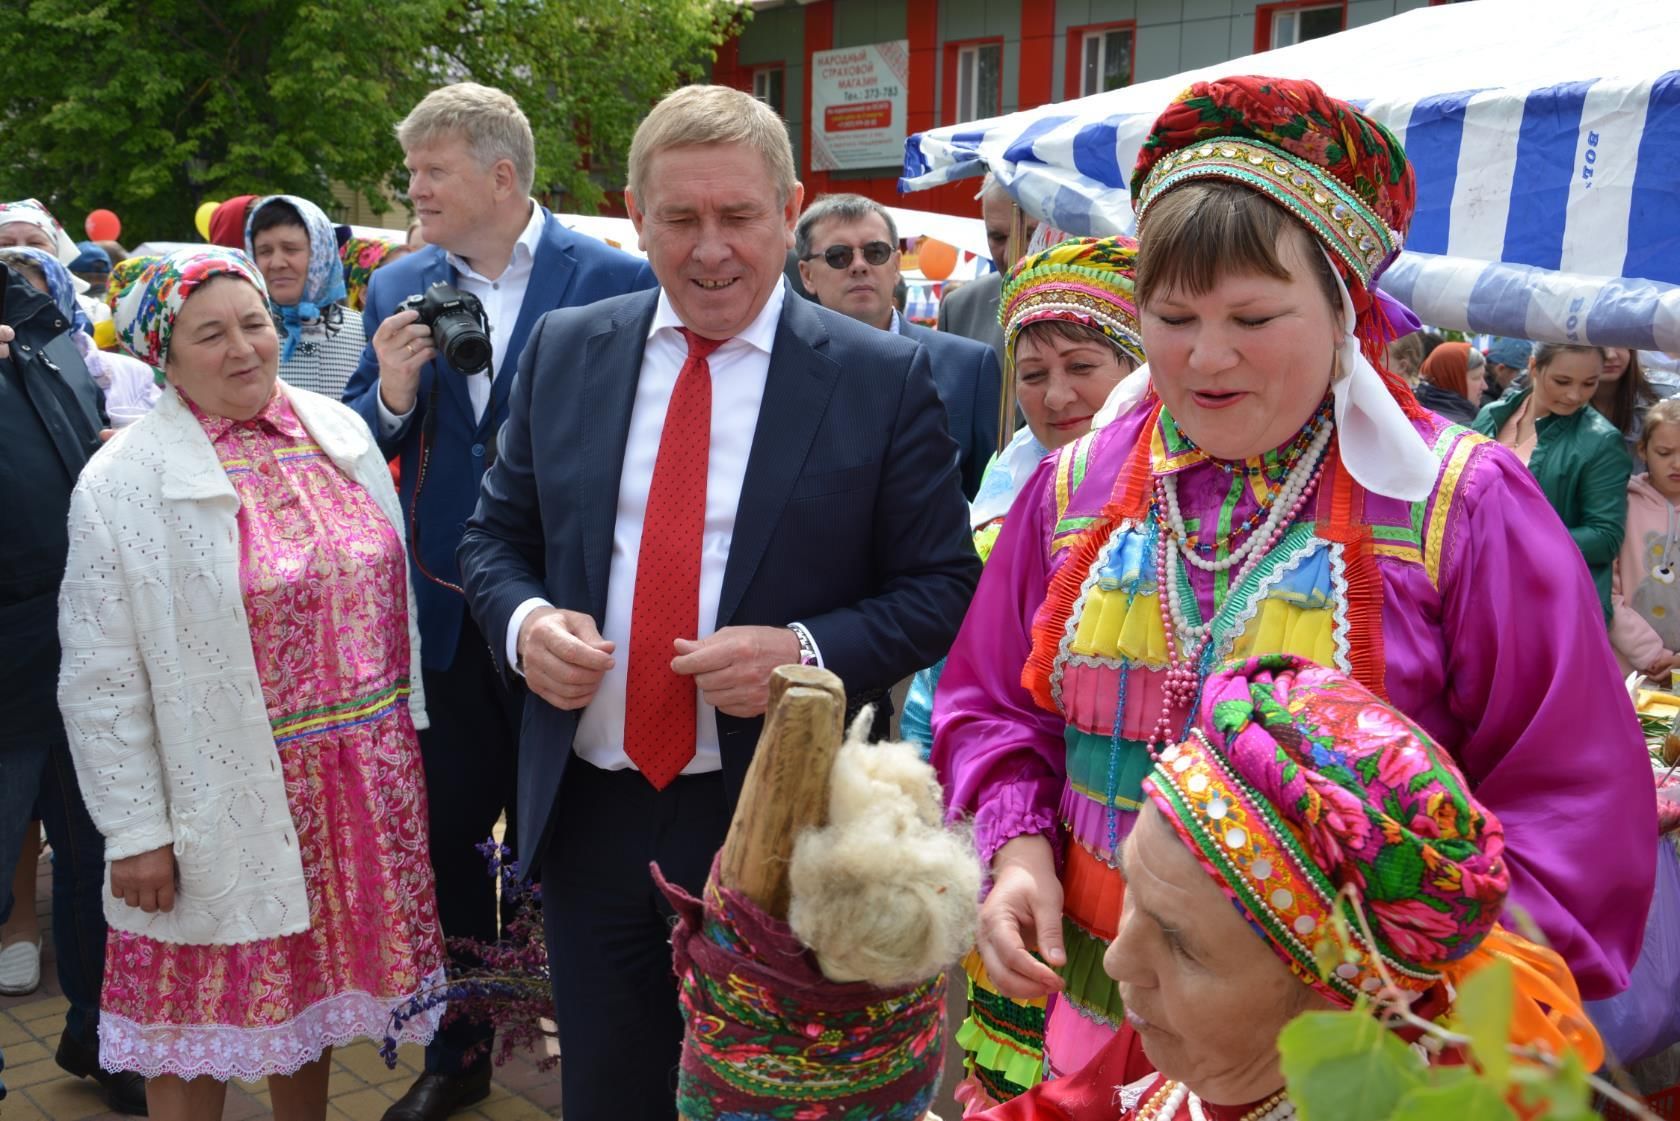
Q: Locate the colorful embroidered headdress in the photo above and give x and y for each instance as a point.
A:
(1343, 175)
(1299, 783)
(1087, 280)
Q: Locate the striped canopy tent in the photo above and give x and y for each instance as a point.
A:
(1545, 135)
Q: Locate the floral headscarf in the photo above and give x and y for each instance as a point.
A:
(32, 212)
(60, 286)
(1300, 781)
(147, 308)
(323, 286)
(361, 255)
(1085, 280)
(1298, 785)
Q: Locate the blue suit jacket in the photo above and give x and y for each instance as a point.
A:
(969, 381)
(569, 270)
(851, 520)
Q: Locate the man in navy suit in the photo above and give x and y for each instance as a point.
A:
(756, 481)
(848, 257)
(471, 159)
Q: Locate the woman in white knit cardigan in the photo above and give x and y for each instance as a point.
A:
(241, 688)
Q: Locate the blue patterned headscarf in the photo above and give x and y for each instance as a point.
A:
(60, 286)
(324, 284)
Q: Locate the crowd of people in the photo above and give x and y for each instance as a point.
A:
(1219, 580)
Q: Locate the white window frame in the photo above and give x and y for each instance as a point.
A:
(1288, 23)
(761, 86)
(968, 77)
(1100, 37)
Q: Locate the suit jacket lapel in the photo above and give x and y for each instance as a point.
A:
(551, 278)
(796, 394)
(612, 365)
(453, 384)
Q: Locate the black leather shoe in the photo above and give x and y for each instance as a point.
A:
(435, 1096)
(125, 1091)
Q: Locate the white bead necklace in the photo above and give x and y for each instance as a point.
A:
(1285, 504)
(1165, 1103)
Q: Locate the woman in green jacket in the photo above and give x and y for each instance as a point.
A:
(1577, 456)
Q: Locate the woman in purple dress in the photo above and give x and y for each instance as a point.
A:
(1265, 489)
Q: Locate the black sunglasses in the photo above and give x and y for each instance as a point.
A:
(840, 256)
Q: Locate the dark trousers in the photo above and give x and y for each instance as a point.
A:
(471, 756)
(609, 933)
(38, 780)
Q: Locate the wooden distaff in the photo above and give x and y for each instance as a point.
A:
(786, 788)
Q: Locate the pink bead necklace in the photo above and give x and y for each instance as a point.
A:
(1186, 642)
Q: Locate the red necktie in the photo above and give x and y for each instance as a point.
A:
(660, 704)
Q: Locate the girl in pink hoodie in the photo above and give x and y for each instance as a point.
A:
(1645, 588)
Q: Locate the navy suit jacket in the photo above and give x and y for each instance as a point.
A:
(851, 520)
(569, 270)
(969, 381)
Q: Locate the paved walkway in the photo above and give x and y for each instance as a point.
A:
(361, 1087)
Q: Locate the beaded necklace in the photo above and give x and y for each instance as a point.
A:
(1164, 1104)
(1187, 643)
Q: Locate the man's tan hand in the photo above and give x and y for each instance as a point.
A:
(563, 656)
(732, 667)
(146, 880)
(403, 345)
(6, 337)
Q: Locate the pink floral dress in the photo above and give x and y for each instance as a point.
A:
(324, 585)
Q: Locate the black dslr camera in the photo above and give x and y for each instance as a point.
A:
(460, 329)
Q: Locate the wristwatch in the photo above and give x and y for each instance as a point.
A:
(808, 655)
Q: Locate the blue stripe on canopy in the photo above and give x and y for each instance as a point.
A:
(1546, 144)
(1653, 220)
(1433, 139)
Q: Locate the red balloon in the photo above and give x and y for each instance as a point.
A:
(935, 258)
(103, 225)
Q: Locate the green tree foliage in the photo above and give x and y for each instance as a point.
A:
(149, 107)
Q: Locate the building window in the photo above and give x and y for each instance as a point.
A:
(1284, 25)
(768, 87)
(979, 86)
(1099, 58)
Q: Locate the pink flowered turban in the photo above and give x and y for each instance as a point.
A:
(1300, 782)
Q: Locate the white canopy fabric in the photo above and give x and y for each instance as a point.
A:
(1545, 135)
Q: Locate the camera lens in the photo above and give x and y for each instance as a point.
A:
(461, 342)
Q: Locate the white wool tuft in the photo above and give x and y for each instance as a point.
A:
(885, 893)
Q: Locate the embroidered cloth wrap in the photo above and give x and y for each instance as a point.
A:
(1086, 280)
(146, 310)
(1298, 782)
(770, 1037)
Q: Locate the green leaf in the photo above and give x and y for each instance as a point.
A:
(1483, 1012)
(1344, 1066)
(1471, 1100)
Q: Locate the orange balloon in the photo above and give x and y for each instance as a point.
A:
(935, 258)
(102, 225)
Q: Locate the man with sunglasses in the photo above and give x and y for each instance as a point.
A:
(848, 257)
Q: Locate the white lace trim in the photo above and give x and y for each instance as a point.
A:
(223, 1051)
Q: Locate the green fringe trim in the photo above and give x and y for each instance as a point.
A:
(1005, 1042)
(1090, 989)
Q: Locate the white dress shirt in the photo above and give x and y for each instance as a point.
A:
(739, 370)
(502, 298)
